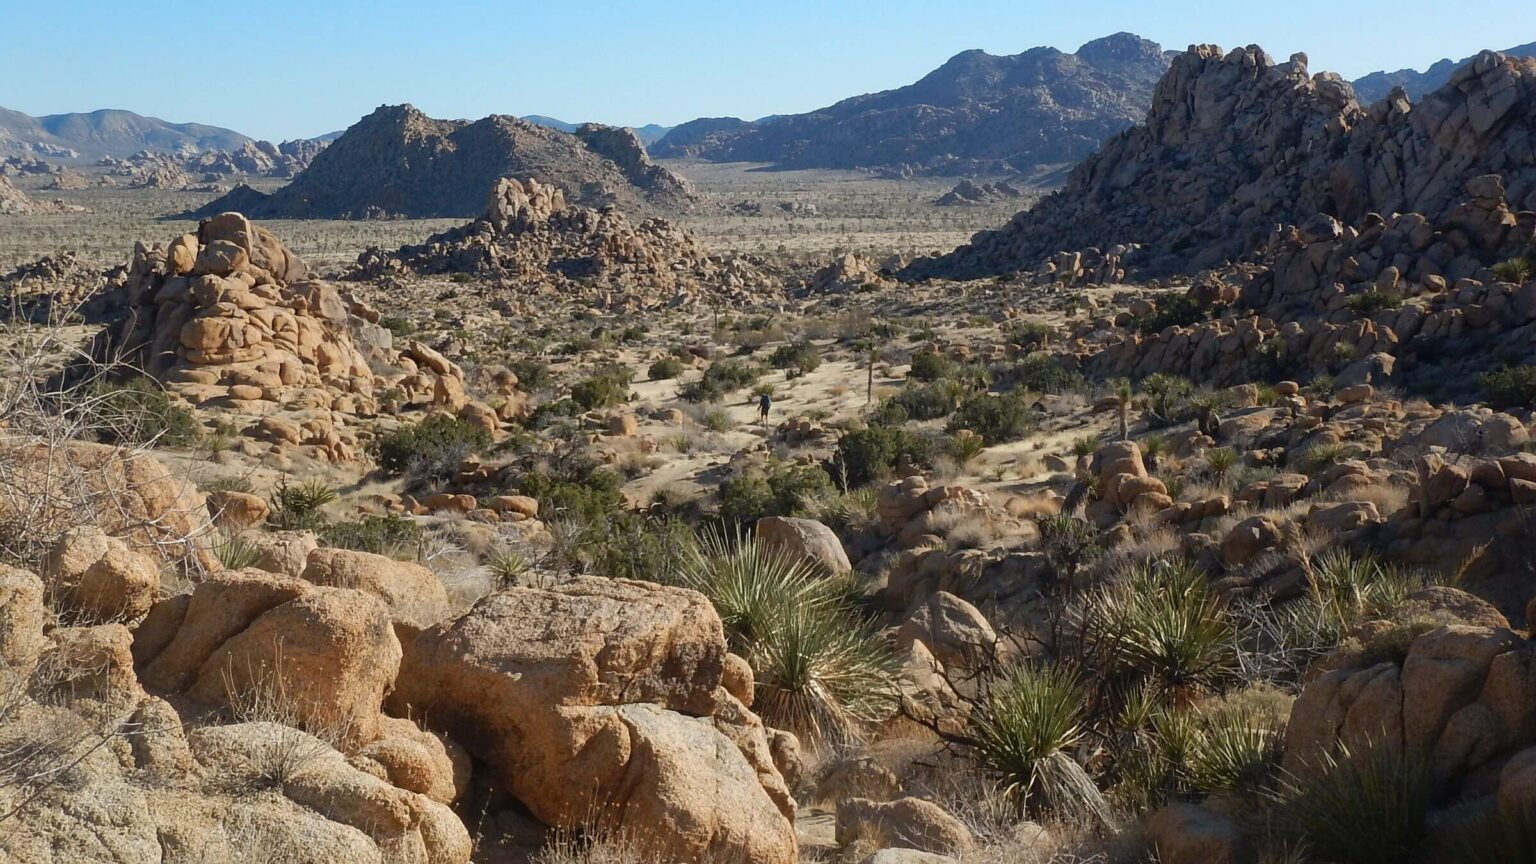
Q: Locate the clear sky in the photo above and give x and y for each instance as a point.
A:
(295, 68)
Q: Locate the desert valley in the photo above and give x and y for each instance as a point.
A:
(1123, 455)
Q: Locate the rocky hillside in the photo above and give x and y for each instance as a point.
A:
(530, 237)
(1378, 85)
(398, 161)
(1235, 144)
(976, 113)
(108, 133)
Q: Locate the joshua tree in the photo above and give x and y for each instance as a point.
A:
(1123, 397)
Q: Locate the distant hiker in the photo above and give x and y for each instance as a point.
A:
(763, 404)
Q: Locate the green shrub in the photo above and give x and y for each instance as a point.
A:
(722, 378)
(998, 418)
(873, 452)
(429, 450)
(1041, 373)
(1169, 394)
(532, 374)
(665, 368)
(1069, 544)
(1516, 270)
(608, 387)
(780, 491)
(929, 401)
(389, 535)
(1173, 310)
(1031, 334)
(137, 411)
(1368, 303)
(399, 327)
(802, 357)
(1510, 387)
(931, 366)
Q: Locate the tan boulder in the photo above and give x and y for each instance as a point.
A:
(195, 627)
(414, 594)
(1250, 537)
(519, 504)
(326, 658)
(623, 425)
(908, 823)
(607, 691)
(412, 758)
(237, 511)
(22, 617)
(283, 552)
(954, 631)
(805, 540)
(97, 579)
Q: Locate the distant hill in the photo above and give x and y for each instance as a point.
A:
(398, 161)
(1377, 85)
(977, 113)
(108, 133)
(648, 134)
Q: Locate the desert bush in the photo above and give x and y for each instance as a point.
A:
(1220, 461)
(1069, 544)
(1516, 270)
(782, 490)
(1031, 334)
(1169, 394)
(1173, 310)
(532, 373)
(852, 510)
(802, 357)
(1510, 387)
(390, 535)
(871, 453)
(1041, 373)
(1368, 303)
(665, 369)
(137, 411)
(609, 386)
(430, 450)
(931, 366)
(964, 448)
(300, 506)
(998, 418)
(722, 378)
(928, 401)
(578, 487)
(1364, 805)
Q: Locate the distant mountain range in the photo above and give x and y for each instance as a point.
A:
(978, 113)
(1377, 85)
(107, 133)
(648, 134)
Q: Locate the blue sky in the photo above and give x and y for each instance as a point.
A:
(285, 68)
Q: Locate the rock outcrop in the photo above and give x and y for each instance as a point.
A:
(530, 236)
(399, 162)
(604, 700)
(1235, 144)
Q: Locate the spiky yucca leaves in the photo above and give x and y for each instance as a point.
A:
(1161, 622)
(1023, 731)
(1353, 588)
(821, 671)
(236, 552)
(1236, 748)
(1361, 806)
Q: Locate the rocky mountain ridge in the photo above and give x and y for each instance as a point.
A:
(398, 161)
(1235, 144)
(1378, 85)
(977, 113)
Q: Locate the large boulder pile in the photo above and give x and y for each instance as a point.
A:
(1235, 143)
(609, 701)
(530, 235)
(230, 318)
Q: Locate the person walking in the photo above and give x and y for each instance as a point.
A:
(763, 404)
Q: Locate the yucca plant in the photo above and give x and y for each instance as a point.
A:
(1517, 270)
(506, 566)
(1220, 460)
(1161, 622)
(1364, 805)
(822, 673)
(300, 506)
(1235, 748)
(236, 552)
(1023, 732)
(1353, 587)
